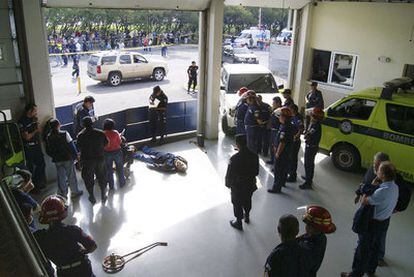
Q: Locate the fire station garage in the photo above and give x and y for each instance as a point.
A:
(361, 56)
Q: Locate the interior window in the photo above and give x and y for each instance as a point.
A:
(125, 59)
(139, 59)
(355, 108)
(343, 69)
(400, 118)
(320, 65)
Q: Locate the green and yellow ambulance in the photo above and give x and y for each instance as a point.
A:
(372, 120)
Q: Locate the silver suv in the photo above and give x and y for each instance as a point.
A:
(114, 66)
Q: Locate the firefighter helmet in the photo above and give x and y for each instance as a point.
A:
(318, 113)
(53, 208)
(319, 218)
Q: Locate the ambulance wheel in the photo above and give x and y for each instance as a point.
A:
(228, 131)
(346, 157)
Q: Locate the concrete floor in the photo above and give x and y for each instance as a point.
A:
(191, 213)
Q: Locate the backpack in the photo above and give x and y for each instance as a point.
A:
(404, 194)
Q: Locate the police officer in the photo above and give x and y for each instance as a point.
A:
(30, 131)
(82, 110)
(314, 99)
(288, 259)
(91, 143)
(312, 138)
(192, 73)
(297, 123)
(157, 113)
(274, 126)
(282, 149)
(287, 94)
(66, 246)
(240, 111)
(265, 111)
(251, 122)
(241, 179)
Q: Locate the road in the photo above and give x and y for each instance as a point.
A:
(134, 93)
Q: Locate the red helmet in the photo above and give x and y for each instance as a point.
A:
(318, 113)
(283, 111)
(242, 90)
(319, 218)
(53, 208)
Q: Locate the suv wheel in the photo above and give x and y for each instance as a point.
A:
(158, 74)
(346, 157)
(114, 79)
(228, 131)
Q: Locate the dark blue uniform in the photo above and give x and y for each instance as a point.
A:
(64, 245)
(160, 160)
(316, 246)
(288, 259)
(241, 110)
(80, 113)
(264, 132)
(252, 128)
(312, 139)
(274, 128)
(158, 115)
(284, 135)
(297, 124)
(33, 151)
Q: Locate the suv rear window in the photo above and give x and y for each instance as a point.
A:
(108, 60)
(94, 60)
(260, 83)
(400, 118)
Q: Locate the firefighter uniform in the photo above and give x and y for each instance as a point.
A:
(252, 127)
(312, 138)
(274, 128)
(284, 135)
(297, 124)
(265, 111)
(241, 110)
(33, 151)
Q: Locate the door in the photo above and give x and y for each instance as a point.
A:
(141, 66)
(125, 66)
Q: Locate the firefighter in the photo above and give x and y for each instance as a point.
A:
(157, 113)
(251, 122)
(241, 180)
(274, 126)
(240, 111)
(287, 94)
(312, 138)
(314, 99)
(318, 223)
(282, 148)
(297, 122)
(66, 246)
(265, 111)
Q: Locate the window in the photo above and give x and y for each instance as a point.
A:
(333, 68)
(108, 60)
(400, 118)
(260, 83)
(355, 108)
(125, 59)
(139, 59)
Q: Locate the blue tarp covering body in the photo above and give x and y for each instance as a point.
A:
(181, 117)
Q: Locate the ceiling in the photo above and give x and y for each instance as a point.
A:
(193, 5)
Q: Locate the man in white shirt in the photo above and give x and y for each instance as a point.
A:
(384, 200)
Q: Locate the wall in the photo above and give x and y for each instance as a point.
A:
(369, 30)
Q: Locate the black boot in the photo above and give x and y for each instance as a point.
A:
(306, 185)
(236, 223)
(247, 218)
(92, 199)
(291, 178)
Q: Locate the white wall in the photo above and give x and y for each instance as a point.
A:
(369, 30)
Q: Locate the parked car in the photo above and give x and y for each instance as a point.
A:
(113, 67)
(285, 37)
(369, 121)
(238, 55)
(251, 37)
(235, 76)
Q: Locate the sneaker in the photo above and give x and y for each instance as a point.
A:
(236, 224)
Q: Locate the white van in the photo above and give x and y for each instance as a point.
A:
(235, 76)
(284, 37)
(251, 36)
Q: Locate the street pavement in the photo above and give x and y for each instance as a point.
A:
(133, 93)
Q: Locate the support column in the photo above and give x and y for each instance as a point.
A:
(213, 67)
(38, 58)
(202, 92)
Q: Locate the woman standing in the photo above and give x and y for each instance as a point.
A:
(113, 154)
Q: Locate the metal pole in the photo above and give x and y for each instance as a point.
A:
(260, 17)
(202, 91)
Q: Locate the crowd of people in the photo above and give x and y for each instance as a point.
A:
(273, 131)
